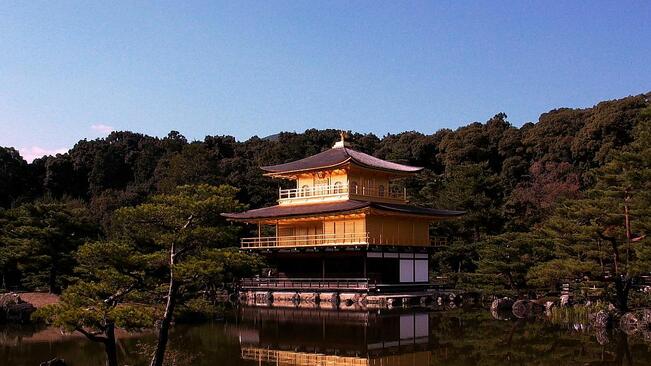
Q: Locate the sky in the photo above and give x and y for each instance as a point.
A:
(73, 70)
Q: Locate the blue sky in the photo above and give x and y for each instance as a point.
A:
(73, 70)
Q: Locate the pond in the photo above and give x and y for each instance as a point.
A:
(275, 336)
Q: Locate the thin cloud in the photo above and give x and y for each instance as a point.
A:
(35, 152)
(102, 128)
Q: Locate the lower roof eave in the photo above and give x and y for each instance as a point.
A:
(282, 212)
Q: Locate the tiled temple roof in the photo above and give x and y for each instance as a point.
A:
(282, 211)
(335, 157)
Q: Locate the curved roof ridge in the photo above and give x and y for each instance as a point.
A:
(337, 156)
(372, 161)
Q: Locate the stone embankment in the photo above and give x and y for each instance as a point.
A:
(587, 314)
(18, 307)
(354, 300)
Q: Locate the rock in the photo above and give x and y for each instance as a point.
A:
(391, 302)
(9, 299)
(14, 309)
(645, 318)
(502, 304)
(549, 305)
(629, 323)
(565, 300)
(524, 308)
(54, 362)
(521, 308)
(424, 300)
(646, 334)
(329, 297)
(602, 336)
(601, 319)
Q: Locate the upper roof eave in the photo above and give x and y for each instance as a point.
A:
(334, 158)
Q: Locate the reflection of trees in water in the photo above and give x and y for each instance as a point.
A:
(477, 339)
(11, 334)
(464, 338)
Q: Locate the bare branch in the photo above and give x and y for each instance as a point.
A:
(113, 299)
(91, 335)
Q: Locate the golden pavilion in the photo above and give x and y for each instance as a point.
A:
(345, 234)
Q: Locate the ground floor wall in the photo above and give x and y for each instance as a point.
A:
(378, 266)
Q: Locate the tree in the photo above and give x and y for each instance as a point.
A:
(194, 164)
(13, 175)
(534, 199)
(505, 259)
(473, 188)
(172, 249)
(605, 231)
(187, 233)
(9, 253)
(112, 292)
(42, 237)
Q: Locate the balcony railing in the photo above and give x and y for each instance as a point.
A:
(376, 192)
(365, 238)
(338, 190)
(304, 240)
(325, 190)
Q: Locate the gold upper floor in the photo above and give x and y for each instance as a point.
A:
(342, 184)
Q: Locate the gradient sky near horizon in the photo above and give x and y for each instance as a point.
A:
(77, 69)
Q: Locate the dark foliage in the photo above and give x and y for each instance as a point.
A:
(509, 179)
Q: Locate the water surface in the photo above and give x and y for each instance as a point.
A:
(273, 336)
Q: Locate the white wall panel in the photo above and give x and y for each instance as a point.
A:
(406, 270)
(421, 273)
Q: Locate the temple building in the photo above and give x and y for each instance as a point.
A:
(345, 234)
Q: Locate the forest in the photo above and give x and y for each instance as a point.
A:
(564, 199)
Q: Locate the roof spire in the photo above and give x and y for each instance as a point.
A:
(342, 142)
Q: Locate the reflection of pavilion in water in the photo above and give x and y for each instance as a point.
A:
(284, 336)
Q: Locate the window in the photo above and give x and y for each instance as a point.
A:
(380, 190)
(338, 188)
(353, 187)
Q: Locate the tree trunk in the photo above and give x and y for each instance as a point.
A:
(163, 332)
(623, 350)
(172, 293)
(108, 340)
(52, 280)
(622, 287)
(109, 346)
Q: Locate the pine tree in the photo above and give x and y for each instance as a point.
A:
(116, 279)
(41, 238)
(605, 233)
(504, 261)
(173, 249)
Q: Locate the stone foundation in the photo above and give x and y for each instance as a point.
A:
(337, 300)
